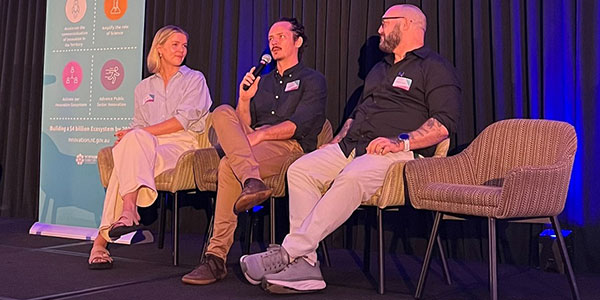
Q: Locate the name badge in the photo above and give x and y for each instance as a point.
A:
(292, 86)
(402, 83)
(149, 98)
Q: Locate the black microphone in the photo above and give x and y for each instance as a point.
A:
(264, 60)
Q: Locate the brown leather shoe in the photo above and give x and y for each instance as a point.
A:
(254, 193)
(211, 270)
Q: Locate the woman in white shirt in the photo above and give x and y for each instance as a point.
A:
(170, 108)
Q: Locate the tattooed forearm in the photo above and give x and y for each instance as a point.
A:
(430, 133)
(431, 126)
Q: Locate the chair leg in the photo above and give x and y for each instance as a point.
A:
(565, 257)
(272, 219)
(325, 252)
(209, 229)
(427, 258)
(367, 245)
(381, 259)
(161, 220)
(249, 231)
(175, 230)
(444, 261)
(493, 272)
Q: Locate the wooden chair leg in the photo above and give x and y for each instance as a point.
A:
(381, 255)
(493, 272)
(427, 258)
(175, 230)
(162, 219)
(565, 257)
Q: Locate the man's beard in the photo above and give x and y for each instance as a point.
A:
(391, 41)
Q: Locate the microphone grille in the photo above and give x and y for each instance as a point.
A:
(266, 58)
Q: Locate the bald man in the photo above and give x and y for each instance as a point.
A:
(409, 104)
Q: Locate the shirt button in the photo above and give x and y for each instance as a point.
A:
(277, 97)
(280, 82)
(272, 112)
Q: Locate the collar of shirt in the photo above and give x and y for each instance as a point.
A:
(183, 70)
(289, 72)
(422, 53)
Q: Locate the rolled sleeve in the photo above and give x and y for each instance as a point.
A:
(194, 103)
(138, 118)
(311, 109)
(443, 95)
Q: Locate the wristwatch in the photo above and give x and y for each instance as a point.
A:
(403, 137)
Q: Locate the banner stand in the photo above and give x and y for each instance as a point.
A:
(88, 234)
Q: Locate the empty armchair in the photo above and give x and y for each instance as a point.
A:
(514, 169)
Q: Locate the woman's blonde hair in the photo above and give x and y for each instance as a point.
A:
(161, 36)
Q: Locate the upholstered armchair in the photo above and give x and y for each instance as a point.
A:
(514, 169)
(173, 181)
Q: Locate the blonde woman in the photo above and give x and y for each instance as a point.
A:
(169, 111)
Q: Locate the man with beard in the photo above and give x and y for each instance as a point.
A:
(277, 116)
(409, 104)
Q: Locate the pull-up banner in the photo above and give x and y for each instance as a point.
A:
(93, 61)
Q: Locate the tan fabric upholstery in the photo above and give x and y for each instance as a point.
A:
(206, 162)
(178, 179)
(392, 191)
(514, 168)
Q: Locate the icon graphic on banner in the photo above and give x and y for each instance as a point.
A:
(79, 159)
(75, 10)
(72, 75)
(112, 74)
(115, 9)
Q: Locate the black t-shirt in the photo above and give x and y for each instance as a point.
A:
(401, 97)
(300, 96)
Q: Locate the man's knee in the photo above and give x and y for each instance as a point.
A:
(223, 111)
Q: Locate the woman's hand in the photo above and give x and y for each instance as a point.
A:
(120, 134)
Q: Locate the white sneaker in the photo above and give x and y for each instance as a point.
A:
(298, 277)
(256, 266)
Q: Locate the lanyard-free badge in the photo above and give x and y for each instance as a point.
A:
(402, 82)
(292, 85)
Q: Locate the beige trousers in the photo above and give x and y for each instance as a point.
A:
(314, 215)
(138, 158)
(241, 162)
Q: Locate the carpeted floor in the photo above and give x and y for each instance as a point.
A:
(36, 267)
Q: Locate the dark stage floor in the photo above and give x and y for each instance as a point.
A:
(35, 267)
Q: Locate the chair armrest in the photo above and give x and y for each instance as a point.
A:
(455, 170)
(533, 191)
(277, 182)
(181, 177)
(206, 161)
(392, 191)
(105, 165)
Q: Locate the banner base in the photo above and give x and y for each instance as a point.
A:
(88, 234)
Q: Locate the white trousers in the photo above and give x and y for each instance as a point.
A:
(138, 158)
(314, 215)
